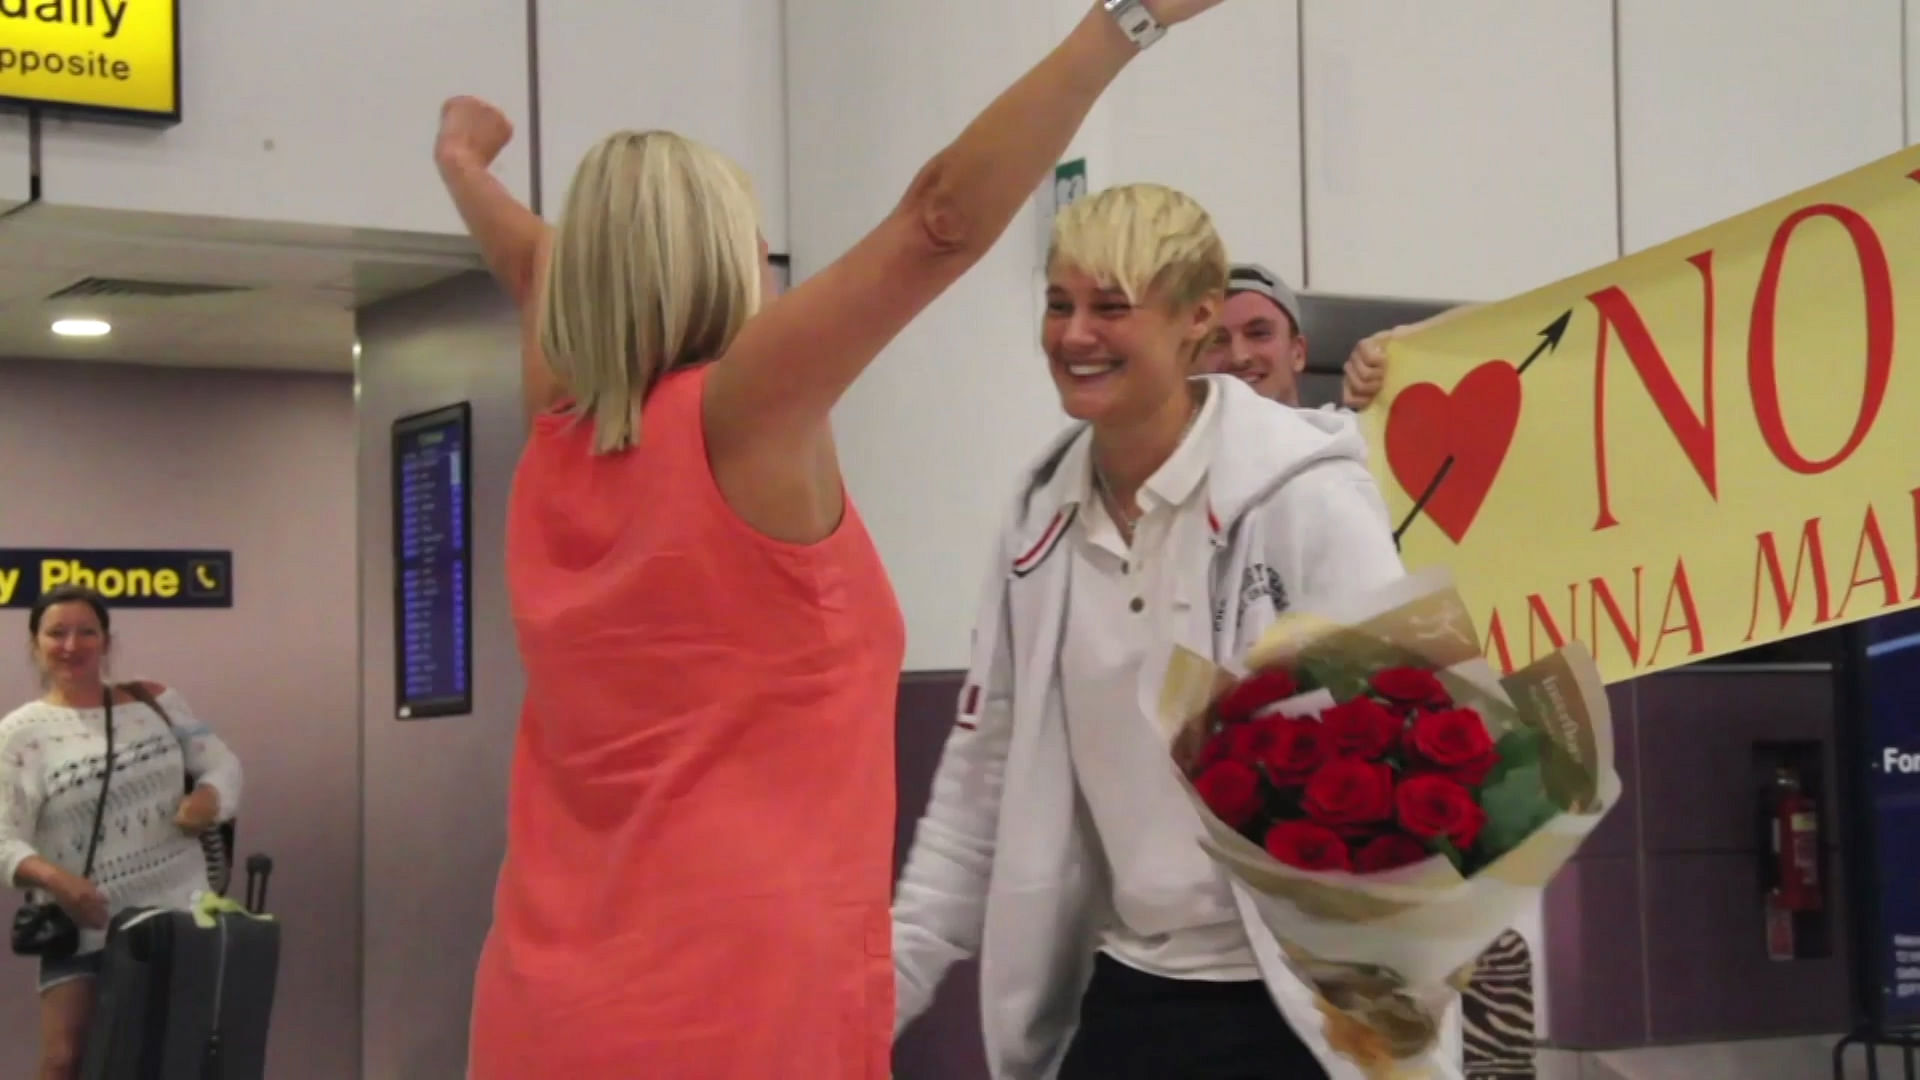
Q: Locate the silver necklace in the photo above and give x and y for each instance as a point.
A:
(1126, 515)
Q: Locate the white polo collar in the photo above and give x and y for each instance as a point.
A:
(1172, 484)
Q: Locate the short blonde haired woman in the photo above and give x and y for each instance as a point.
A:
(1176, 512)
(700, 830)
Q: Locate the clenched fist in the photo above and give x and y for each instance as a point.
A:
(470, 127)
(1366, 371)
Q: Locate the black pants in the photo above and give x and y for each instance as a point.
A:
(1135, 1026)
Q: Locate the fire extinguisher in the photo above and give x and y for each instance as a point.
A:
(1795, 822)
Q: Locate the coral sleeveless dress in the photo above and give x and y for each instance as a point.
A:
(700, 821)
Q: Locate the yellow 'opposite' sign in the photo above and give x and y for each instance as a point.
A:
(1703, 447)
(122, 56)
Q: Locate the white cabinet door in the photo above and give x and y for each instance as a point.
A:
(711, 70)
(313, 113)
(1728, 104)
(1460, 150)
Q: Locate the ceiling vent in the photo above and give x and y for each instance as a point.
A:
(97, 287)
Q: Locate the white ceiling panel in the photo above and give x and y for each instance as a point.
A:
(189, 292)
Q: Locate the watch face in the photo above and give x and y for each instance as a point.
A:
(1135, 21)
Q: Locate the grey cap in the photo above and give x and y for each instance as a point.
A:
(1254, 278)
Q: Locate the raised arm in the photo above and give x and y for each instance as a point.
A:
(512, 239)
(770, 396)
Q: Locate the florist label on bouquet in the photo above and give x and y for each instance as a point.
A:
(1693, 450)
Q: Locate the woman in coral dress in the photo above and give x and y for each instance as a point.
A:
(700, 822)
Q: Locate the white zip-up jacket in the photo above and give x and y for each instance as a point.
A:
(1004, 863)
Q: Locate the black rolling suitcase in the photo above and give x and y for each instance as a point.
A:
(179, 1000)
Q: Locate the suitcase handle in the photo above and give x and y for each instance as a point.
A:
(259, 869)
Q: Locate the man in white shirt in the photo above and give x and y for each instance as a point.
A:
(1259, 340)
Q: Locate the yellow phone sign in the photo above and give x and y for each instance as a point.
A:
(145, 579)
(114, 56)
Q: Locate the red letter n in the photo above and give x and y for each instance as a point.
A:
(1694, 431)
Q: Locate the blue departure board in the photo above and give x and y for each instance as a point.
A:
(433, 563)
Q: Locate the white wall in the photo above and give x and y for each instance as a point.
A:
(933, 434)
(1460, 150)
(13, 160)
(1727, 104)
(324, 114)
(1911, 76)
(1213, 110)
(317, 113)
(711, 69)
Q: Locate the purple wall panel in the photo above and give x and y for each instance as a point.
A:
(1654, 934)
(944, 1044)
(1596, 955)
(1696, 734)
(1708, 976)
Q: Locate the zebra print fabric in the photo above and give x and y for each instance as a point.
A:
(1497, 1013)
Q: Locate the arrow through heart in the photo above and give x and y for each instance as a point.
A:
(1459, 438)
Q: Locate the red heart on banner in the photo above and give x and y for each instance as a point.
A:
(1472, 426)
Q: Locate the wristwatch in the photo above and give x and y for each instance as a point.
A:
(1136, 21)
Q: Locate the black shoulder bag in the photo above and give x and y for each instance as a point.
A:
(45, 929)
(216, 843)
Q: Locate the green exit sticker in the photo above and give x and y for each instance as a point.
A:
(1069, 182)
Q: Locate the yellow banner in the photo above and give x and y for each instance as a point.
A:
(114, 56)
(1703, 447)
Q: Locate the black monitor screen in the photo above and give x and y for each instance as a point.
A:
(433, 563)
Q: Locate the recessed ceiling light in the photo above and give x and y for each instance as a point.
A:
(81, 328)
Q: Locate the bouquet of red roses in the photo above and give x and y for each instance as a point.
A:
(1387, 778)
(1387, 804)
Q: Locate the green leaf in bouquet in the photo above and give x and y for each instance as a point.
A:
(1517, 749)
(1516, 807)
(1445, 847)
(1344, 660)
(1328, 673)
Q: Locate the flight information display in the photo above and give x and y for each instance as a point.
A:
(433, 563)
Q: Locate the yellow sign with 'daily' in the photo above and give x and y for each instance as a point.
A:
(122, 56)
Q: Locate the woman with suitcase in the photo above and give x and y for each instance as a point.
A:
(88, 839)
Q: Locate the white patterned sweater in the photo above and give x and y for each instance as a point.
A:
(51, 760)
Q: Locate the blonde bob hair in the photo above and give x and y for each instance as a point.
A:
(1147, 240)
(655, 265)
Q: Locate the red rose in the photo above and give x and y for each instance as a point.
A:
(1308, 846)
(1453, 742)
(1255, 692)
(1410, 687)
(1247, 742)
(1431, 807)
(1217, 748)
(1231, 790)
(1362, 728)
(1348, 792)
(1296, 749)
(1389, 852)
